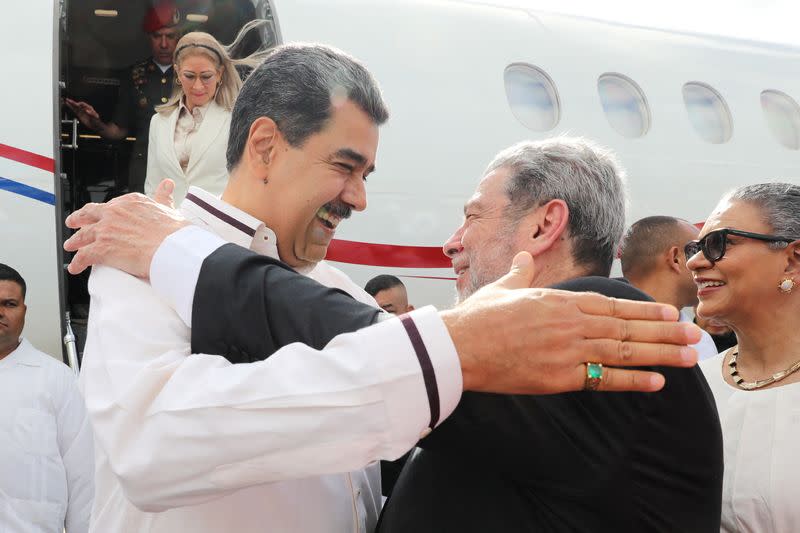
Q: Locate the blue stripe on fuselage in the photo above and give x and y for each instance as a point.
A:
(27, 191)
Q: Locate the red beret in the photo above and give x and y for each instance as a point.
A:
(161, 15)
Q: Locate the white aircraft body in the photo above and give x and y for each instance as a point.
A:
(690, 116)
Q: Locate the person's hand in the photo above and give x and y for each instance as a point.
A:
(163, 193)
(516, 340)
(123, 233)
(86, 114)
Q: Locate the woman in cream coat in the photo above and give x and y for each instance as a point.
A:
(189, 133)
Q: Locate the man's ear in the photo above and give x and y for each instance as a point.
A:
(261, 143)
(546, 225)
(673, 259)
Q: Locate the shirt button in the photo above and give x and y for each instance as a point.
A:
(425, 432)
(164, 99)
(163, 80)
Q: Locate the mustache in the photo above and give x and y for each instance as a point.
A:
(339, 209)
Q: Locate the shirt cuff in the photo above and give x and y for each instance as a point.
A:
(412, 405)
(176, 265)
(444, 360)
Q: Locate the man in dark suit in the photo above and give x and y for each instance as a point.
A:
(579, 461)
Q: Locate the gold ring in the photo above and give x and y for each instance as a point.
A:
(594, 375)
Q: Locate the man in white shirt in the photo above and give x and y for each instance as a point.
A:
(46, 463)
(123, 371)
(653, 261)
(245, 445)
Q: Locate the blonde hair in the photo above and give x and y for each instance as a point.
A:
(201, 43)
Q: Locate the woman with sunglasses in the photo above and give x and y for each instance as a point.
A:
(189, 132)
(746, 265)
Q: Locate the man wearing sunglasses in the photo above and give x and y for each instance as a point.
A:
(653, 261)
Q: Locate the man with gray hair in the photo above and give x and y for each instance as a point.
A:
(577, 461)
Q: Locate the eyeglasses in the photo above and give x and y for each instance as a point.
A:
(713, 244)
(206, 78)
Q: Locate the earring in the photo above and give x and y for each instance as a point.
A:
(786, 285)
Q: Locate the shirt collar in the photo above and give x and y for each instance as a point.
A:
(162, 68)
(229, 222)
(23, 355)
(201, 109)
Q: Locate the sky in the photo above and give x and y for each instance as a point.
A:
(759, 20)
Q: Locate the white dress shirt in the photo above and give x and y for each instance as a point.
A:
(46, 458)
(706, 349)
(256, 447)
(760, 436)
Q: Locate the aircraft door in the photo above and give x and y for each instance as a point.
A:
(29, 173)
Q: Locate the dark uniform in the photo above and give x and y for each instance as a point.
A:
(143, 88)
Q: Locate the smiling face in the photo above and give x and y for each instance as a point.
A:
(745, 280)
(199, 78)
(313, 187)
(482, 249)
(12, 316)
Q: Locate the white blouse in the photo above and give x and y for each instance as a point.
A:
(185, 130)
(761, 439)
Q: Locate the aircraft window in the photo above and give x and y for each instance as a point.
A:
(532, 96)
(624, 105)
(708, 112)
(783, 117)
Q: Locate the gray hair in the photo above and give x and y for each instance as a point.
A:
(779, 204)
(585, 176)
(296, 86)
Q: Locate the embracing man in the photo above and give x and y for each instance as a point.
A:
(246, 387)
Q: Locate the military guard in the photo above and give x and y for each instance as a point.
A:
(146, 84)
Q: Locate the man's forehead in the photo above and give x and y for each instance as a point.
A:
(10, 290)
(398, 291)
(168, 32)
(490, 191)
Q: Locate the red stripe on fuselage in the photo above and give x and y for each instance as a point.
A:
(27, 158)
(387, 255)
(352, 252)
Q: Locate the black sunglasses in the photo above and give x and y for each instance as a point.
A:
(713, 244)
